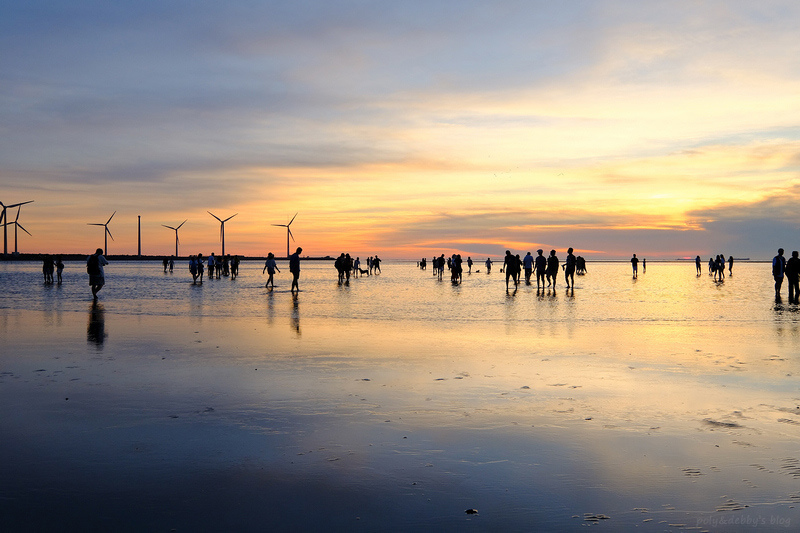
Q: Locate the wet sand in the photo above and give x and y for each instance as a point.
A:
(294, 421)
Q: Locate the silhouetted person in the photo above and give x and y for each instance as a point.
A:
(541, 267)
(59, 268)
(697, 263)
(171, 263)
(193, 268)
(552, 268)
(212, 265)
(635, 266)
(793, 277)
(730, 265)
(778, 271)
(719, 268)
(294, 268)
(47, 269)
(270, 266)
(569, 268)
(507, 268)
(488, 265)
(469, 264)
(376, 264)
(580, 263)
(165, 262)
(94, 267)
(235, 266)
(527, 264)
(644, 265)
(200, 268)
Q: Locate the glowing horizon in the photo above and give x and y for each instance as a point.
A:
(407, 131)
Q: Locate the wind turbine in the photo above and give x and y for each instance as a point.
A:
(106, 233)
(176, 234)
(222, 229)
(17, 225)
(288, 233)
(4, 222)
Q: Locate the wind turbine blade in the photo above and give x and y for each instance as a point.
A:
(181, 224)
(17, 217)
(19, 204)
(90, 224)
(112, 216)
(294, 217)
(290, 232)
(109, 233)
(281, 225)
(213, 215)
(170, 227)
(230, 217)
(23, 229)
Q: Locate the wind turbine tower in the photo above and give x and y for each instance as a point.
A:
(106, 233)
(176, 235)
(222, 229)
(288, 233)
(17, 226)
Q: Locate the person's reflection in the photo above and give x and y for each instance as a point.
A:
(295, 318)
(96, 329)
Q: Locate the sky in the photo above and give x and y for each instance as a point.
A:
(406, 129)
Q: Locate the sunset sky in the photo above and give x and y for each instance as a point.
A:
(406, 129)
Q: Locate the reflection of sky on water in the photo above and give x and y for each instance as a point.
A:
(391, 408)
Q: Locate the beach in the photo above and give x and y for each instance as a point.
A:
(398, 402)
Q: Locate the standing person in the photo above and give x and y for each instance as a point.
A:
(469, 264)
(569, 268)
(507, 265)
(635, 266)
(212, 265)
(59, 268)
(697, 263)
(721, 266)
(193, 268)
(171, 263)
(376, 264)
(94, 267)
(778, 271)
(270, 266)
(793, 276)
(47, 270)
(730, 265)
(552, 268)
(294, 268)
(644, 265)
(488, 265)
(527, 264)
(200, 267)
(357, 266)
(234, 266)
(166, 263)
(540, 265)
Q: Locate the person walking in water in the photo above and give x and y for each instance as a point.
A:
(469, 264)
(635, 266)
(270, 266)
(507, 265)
(59, 268)
(294, 268)
(778, 271)
(541, 267)
(793, 277)
(569, 268)
(552, 268)
(730, 265)
(527, 264)
(488, 265)
(94, 267)
(697, 263)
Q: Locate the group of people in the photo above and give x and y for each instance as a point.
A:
(716, 266)
(51, 266)
(225, 266)
(345, 265)
(545, 268)
(789, 269)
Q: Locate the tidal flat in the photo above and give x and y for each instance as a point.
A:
(397, 402)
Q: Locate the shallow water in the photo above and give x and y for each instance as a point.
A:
(398, 401)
